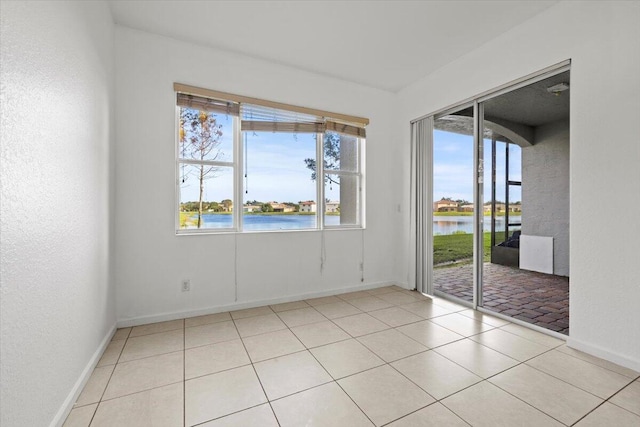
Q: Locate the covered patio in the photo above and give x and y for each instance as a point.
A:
(537, 298)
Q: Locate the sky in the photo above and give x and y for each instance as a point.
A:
(453, 168)
(275, 169)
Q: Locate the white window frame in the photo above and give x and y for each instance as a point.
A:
(358, 173)
(238, 171)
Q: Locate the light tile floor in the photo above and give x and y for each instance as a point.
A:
(382, 357)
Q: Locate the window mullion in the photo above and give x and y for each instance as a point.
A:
(238, 170)
(361, 184)
(341, 172)
(320, 180)
(205, 162)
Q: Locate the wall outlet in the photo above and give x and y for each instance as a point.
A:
(185, 285)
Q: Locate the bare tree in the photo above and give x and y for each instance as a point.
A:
(200, 136)
(331, 158)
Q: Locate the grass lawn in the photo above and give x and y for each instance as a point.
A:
(459, 247)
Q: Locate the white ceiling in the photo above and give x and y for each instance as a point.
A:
(382, 44)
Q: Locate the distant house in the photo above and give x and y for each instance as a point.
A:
(282, 207)
(332, 207)
(466, 208)
(308, 206)
(445, 205)
(501, 207)
(251, 208)
(227, 206)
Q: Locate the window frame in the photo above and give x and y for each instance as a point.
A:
(237, 166)
(232, 164)
(358, 173)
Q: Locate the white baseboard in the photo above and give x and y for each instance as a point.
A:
(404, 285)
(602, 353)
(72, 397)
(142, 320)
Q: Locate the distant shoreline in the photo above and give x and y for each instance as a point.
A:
(471, 213)
(258, 213)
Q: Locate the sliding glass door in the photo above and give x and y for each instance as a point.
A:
(500, 202)
(525, 148)
(453, 204)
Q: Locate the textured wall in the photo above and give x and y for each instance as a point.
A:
(57, 302)
(601, 39)
(545, 190)
(151, 260)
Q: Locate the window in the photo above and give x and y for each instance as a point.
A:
(341, 180)
(251, 165)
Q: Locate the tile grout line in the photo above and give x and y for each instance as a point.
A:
(184, 360)
(229, 414)
(95, 411)
(589, 412)
(594, 364)
(323, 367)
(184, 373)
(255, 372)
(335, 380)
(110, 376)
(424, 407)
(566, 382)
(356, 338)
(498, 373)
(608, 400)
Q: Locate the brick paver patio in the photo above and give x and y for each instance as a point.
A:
(537, 298)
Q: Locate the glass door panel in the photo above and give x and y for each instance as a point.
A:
(453, 204)
(525, 153)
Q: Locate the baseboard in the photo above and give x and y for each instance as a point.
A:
(404, 285)
(142, 320)
(72, 397)
(602, 353)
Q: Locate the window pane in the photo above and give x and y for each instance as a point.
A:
(340, 152)
(515, 163)
(205, 136)
(216, 196)
(280, 188)
(341, 200)
(453, 204)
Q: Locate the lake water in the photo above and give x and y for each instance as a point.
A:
(452, 224)
(441, 224)
(269, 222)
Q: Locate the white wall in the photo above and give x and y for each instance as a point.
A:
(152, 260)
(601, 39)
(545, 190)
(58, 304)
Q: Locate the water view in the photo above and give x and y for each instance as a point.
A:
(268, 222)
(443, 225)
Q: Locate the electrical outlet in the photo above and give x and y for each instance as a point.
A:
(186, 285)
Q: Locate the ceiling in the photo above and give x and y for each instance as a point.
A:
(514, 115)
(383, 44)
(532, 105)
